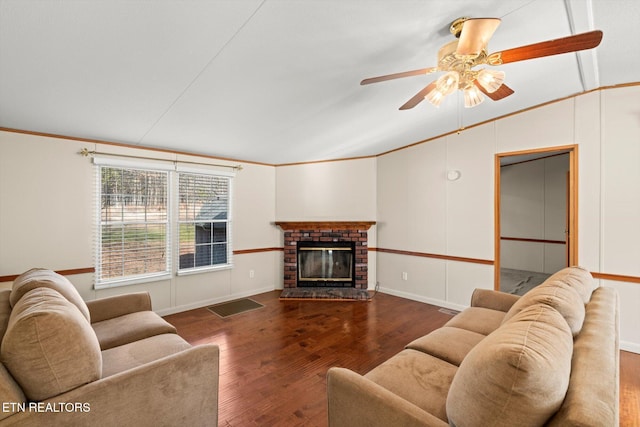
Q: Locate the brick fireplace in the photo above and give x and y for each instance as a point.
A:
(332, 235)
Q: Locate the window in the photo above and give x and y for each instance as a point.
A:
(139, 216)
(133, 223)
(203, 220)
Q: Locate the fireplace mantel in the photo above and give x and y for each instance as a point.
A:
(331, 225)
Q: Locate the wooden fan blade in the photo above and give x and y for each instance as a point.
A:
(399, 75)
(574, 43)
(475, 35)
(502, 92)
(418, 97)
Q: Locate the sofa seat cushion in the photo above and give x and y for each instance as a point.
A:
(40, 277)
(128, 356)
(495, 300)
(130, 327)
(418, 378)
(10, 391)
(447, 343)
(558, 295)
(477, 319)
(49, 346)
(517, 375)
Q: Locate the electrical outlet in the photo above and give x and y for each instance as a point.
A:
(252, 274)
(405, 276)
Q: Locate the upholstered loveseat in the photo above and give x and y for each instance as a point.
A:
(550, 357)
(108, 362)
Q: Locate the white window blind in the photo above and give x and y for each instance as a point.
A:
(204, 220)
(134, 224)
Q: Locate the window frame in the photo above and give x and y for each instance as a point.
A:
(172, 238)
(228, 221)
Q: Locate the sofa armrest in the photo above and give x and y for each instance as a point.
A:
(181, 389)
(495, 300)
(355, 401)
(118, 305)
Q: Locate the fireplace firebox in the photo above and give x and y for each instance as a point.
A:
(329, 264)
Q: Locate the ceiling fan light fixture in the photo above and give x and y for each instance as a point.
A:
(445, 85)
(472, 97)
(448, 83)
(491, 80)
(435, 97)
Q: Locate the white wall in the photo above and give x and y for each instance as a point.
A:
(46, 196)
(619, 191)
(533, 203)
(338, 191)
(47, 212)
(420, 211)
(330, 191)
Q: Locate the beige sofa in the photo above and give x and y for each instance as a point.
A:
(108, 362)
(550, 357)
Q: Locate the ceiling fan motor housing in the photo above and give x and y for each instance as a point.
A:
(448, 60)
(456, 26)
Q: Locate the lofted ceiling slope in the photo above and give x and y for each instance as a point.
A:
(277, 81)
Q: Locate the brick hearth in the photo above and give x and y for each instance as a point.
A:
(326, 231)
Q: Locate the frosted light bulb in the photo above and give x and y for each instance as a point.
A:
(491, 80)
(472, 97)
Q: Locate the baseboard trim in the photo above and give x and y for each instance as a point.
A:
(421, 298)
(630, 346)
(212, 301)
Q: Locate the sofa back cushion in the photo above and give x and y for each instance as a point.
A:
(39, 277)
(49, 346)
(5, 311)
(593, 395)
(579, 278)
(517, 375)
(558, 295)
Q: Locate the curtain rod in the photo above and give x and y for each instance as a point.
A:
(86, 153)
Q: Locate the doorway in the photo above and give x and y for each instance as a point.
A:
(535, 216)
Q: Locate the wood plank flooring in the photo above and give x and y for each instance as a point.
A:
(629, 389)
(273, 360)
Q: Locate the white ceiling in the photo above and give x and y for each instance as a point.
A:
(277, 81)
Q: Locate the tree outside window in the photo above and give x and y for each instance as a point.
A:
(133, 223)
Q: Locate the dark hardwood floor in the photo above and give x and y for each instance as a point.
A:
(629, 389)
(273, 360)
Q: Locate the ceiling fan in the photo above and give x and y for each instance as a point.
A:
(459, 58)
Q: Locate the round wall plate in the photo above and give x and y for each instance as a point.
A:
(453, 175)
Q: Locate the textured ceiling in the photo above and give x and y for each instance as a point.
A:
(277, 81)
